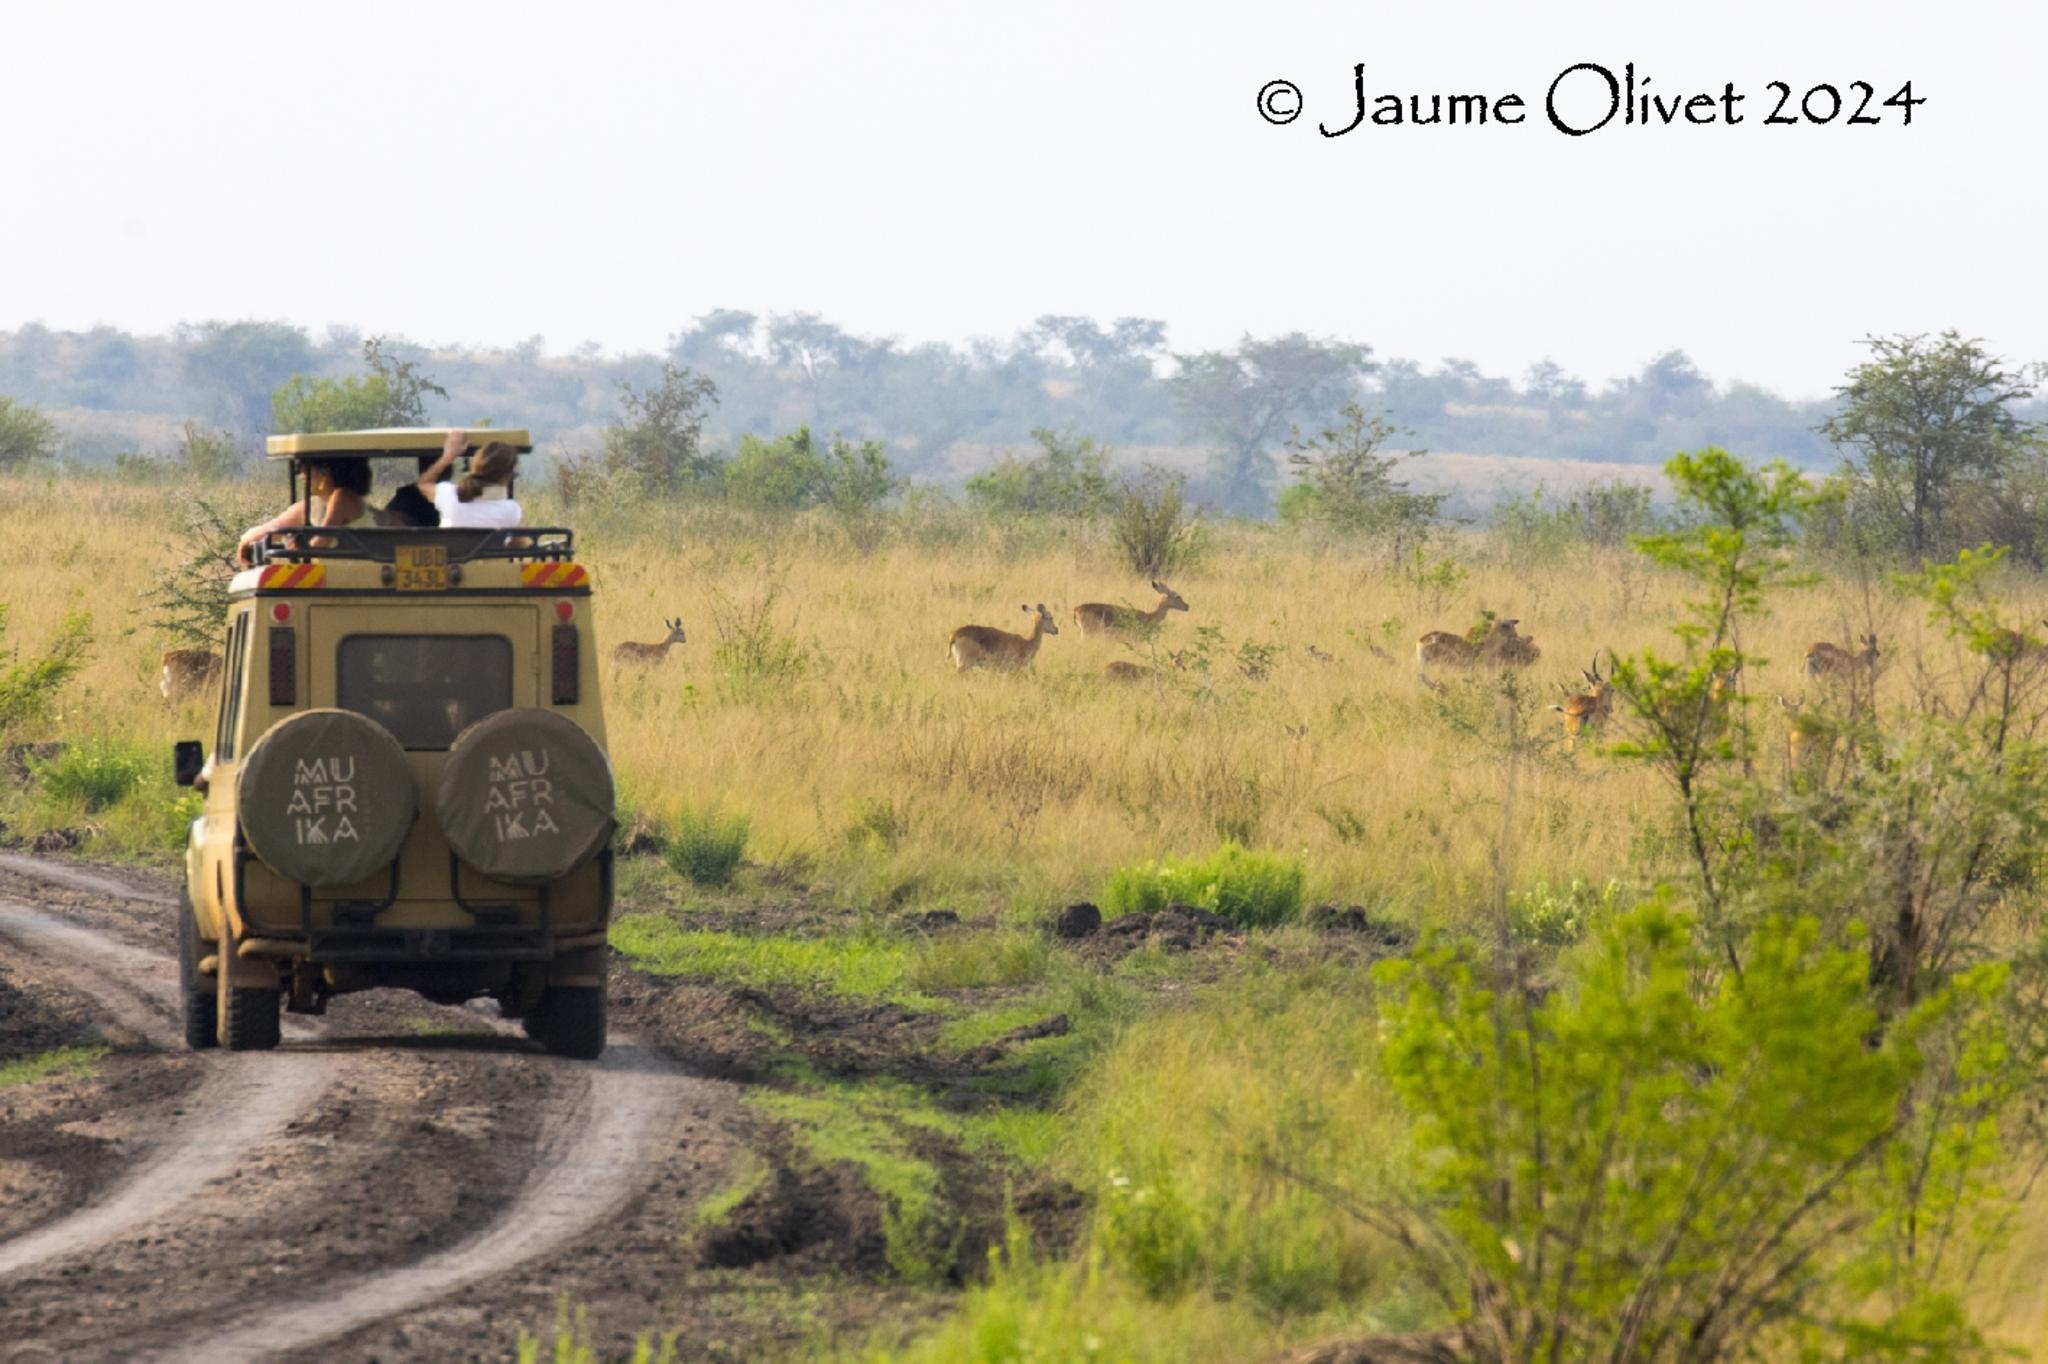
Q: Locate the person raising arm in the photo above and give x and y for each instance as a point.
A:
(482, 499)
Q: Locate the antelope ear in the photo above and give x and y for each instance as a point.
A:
(1158, 586)
(1025, 607)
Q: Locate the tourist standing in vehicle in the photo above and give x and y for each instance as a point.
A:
(481, 499)
(337, 489)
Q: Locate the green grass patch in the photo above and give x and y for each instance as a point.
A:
(972, 961)
(864, 965)
(42, 1065)
(867, 1126)
(1254, 889)
(94, 774)
(714, 1210)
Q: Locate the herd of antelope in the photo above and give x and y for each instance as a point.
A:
(190, 673)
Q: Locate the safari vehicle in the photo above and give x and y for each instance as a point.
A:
(408, 784)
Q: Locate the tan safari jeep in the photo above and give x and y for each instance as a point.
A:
(408, 784)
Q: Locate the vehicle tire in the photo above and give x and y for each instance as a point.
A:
(571, 1021)
(531, 1021)
(253, 1023)
(195, 992)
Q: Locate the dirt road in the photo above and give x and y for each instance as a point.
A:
(398, 1180)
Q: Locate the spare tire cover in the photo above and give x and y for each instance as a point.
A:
(526, 796)
(326, 797)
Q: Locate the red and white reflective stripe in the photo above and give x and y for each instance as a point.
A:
(285, 576)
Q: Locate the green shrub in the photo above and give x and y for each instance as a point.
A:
(1254, 889)
(28, 687)
(95, 774)
(704, 845)
(1562, 916)
(1153, 525)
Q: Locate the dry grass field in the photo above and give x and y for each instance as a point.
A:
(1284, 711)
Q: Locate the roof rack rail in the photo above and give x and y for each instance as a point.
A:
(543, 543)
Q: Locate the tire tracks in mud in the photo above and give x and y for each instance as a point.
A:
(244, 1102)
(582, 1141)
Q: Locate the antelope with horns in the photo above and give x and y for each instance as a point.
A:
(188, 673)
(1502, 647)
(1100, 618)
(1585, 710)
(1830, 661)
(984, 646)
(646, 655)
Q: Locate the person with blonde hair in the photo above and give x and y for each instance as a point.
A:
(482, 498)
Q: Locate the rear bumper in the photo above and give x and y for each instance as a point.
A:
(422, 945)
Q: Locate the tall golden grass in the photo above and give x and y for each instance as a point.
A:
(1014, 790)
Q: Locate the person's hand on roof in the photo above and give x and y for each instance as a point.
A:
(457, 442)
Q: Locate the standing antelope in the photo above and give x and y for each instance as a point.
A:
(974, 646)
(1100, 618)
(647, 655)
(1502, 647)
(187, 673)
(1587, 709)
(1829, 660)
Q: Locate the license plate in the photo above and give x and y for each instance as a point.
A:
(422, 568)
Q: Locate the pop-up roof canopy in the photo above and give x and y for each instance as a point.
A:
(390, 440)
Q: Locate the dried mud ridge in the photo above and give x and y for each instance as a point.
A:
(396, 1181)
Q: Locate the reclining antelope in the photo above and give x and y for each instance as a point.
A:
(1100, 618)
(984, 646)
(1586, 710)
(188, 673)
(1502, 647)
(636, 655)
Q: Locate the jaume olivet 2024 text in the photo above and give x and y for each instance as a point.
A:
(1587, 98)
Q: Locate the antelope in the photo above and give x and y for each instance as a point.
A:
(974, 646)
(1502, 647)
(1829, 660)
(1321, 655)
(187, 673)
(1122, 671)
(1100, 618)
(2007, 643)
(1587, 709)
(647, 655)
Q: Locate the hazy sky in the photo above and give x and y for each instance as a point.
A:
(605, 172)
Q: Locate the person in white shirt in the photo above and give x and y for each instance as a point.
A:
(480, 500)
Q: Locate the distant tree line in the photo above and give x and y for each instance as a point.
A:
(1935, 440)
(1120, 381)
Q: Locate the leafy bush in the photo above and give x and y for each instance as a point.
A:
(1254, 889)
(1068, 477)
(791, 473)
(1345, 484)
(1646, 1165)
(1561, 917)
(704, 845)
(27, 688)
(1153, 526)
(94, 774)
(25, 434)
(188, 604)
(392, 393)
(659, 441)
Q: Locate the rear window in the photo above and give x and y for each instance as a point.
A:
(425, 689)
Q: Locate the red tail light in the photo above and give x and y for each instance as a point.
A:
(284, 666)
(568, 675)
